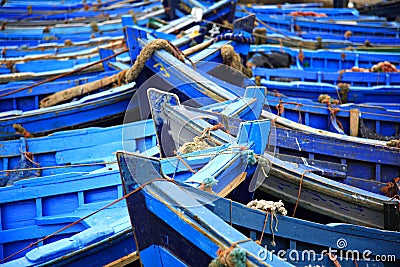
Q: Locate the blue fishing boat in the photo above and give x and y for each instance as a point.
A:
(201, 238)
(91, 183)
(69, 175)
(285, 9)
(300, 24)
(87, 104)
(365, 79)
(36, 209)
(68, 151)
(105, 11)
(24, 50)
(366, 119)
(89, 110)
(113, 28)
(349, 194)
(329, 59)
(210, 90)
(153, 198)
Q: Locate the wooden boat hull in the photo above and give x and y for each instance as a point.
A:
(104, 106)
(290, 235)
(190, 243)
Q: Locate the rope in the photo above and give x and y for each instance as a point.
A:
(270, 207)
(333, 258)
(140, 187)
(233, 59)
(231, 257)
(62, 75)
(343, 93)
(184, 163)
(21, 130)
(391, 189)
(30, 158)
(299, 192)
(271, 228)
(263, 229)
(198, 142)
(393, 143)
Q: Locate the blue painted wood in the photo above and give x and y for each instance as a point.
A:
(364, 29)
(34, 208)
(160, 219)
(379, 242)
(91, 231)
(366, 79)
(354, 211)
(105, 105)
(305, 7)
(331, 59)
(289, 229)
(333, 198)
(79, 146)
(57, 192)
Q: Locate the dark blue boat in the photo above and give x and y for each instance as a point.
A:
(329, 59)
(80, 150)
(366, 121)
(210, 89)
(152, 202)
(328, 188)
(182, 220)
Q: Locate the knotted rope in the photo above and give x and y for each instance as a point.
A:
(392, 188)
(233, 59)
(199, 142)
(231, 257)
(270, 207)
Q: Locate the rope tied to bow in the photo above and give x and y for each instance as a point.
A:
(270, 207)
(199, 142)
(231, 257)
(233, 59)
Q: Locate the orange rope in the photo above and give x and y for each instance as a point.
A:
(84, 218)
(184, 162)
(299, 192)
(263, 230)
(333, 259)
(62, 75)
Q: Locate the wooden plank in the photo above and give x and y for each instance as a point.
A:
(354, 122)
(124, 260)
(233, 184)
